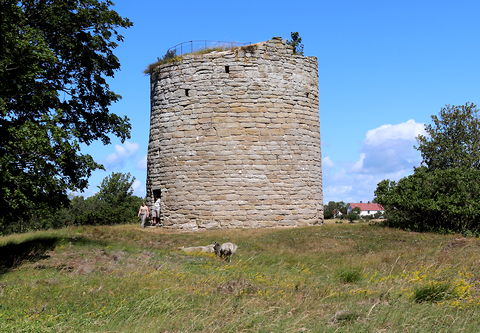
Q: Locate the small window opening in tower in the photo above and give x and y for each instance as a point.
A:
(227, 69)
(307, 94)
(157, 194)
(187, 91)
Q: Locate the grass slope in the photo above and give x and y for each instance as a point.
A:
(333, 278)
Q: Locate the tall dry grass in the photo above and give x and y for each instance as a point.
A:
(347, 278)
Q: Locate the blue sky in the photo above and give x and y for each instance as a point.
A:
(384, 68)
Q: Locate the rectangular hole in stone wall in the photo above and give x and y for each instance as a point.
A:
(187, 91)
(156, 194)
(227, 69)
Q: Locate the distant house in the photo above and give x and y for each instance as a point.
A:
(366, 208)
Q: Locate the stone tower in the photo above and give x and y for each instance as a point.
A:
(235, 139)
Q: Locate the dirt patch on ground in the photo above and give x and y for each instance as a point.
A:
(86, 261)
(456, 243)
(238, 286)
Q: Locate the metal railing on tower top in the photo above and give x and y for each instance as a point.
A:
(198, 45)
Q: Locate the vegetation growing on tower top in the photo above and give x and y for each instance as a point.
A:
(296, 43)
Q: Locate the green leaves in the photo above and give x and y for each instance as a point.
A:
(453, 139)
(54, 61)
(428, 200)
(115, 188)
(442, 195)
(296, 42)
(333, 208)
(113, 204)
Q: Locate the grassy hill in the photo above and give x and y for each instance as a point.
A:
(332, 278)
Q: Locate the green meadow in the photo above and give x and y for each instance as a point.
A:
(331, 278)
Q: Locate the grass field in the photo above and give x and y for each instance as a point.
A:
(331, 278)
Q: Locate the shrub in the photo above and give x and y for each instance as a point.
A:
(433, 200)
(168, 57)
(352, 217)
(433, 293)
(349, 275)
(296, 43)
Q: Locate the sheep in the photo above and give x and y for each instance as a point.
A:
(207, 248)
(225, 251)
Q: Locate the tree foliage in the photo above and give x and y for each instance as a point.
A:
(296, 42)
(441, 195)
(55, 57)
(115, 188)
(433, 200)
(334, 207)
(354, 215)
(453, 140)
(113, 204)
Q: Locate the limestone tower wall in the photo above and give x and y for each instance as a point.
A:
(235, 139)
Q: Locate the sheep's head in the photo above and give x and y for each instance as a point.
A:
(216, 248)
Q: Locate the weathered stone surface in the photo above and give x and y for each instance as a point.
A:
(243, 148)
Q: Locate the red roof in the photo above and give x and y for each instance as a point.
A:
(367, 206)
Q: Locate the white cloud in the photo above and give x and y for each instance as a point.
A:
(122, 152)
(142, 163)
(387, 153)
(389, 148)
(138, 188)
(408, 130)
(358, 165)
(340, 189)
(136, 184)
(327, 162)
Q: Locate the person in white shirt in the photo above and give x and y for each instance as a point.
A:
(156, 212)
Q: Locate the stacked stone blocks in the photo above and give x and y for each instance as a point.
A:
(235, 139)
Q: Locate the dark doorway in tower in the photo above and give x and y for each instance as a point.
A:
(157, 193)
(157, 196)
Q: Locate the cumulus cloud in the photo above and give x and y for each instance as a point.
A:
(138, 188)
(142, 164)
(408, 130)
(122, 152)
(387, 153)
(389, 148)
(340, 189)
(327, 162)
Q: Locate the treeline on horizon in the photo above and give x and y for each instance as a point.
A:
(114, 203)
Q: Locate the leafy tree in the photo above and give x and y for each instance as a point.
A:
(113, 204)
(116, 188)
(441, 195)
(453, 140)
(296, 42)
(342, 207)
(328, 210)
(332, 207)
(55, 57)
(433, 200)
